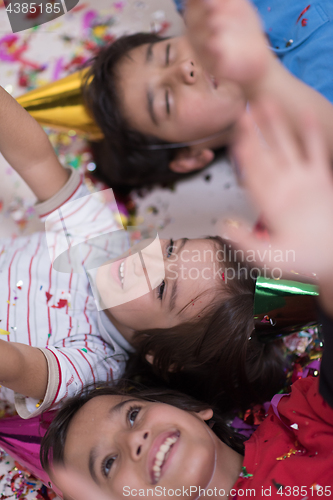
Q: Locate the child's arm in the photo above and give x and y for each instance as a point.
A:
(23, 369)
(27, 149)
(292, 185)
(228, 38)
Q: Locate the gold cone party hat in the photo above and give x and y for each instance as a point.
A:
(59, 105)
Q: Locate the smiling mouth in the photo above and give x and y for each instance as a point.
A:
(162, 456)
(211, 80)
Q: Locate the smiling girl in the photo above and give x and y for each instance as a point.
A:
(158, 442)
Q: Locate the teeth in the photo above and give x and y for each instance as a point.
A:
(121, 272)
(161, 454)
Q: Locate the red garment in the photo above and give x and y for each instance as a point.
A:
(280, 459)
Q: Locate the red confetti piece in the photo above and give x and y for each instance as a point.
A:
(33, 15)
(303, 12)
(304, 22)
(223, 277)
(48, 296)
(255, 415)
(61, 303)
(79, 7)
(165, 25)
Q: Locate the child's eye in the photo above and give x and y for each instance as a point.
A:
(160, 290)
(132, 414)
(167, 102)
(107, 465)
(170, 248)
(167, 54)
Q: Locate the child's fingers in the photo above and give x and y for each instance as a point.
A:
(275, 129)
(251, 155)
(314, 145)
(75, 486)
(249, 242)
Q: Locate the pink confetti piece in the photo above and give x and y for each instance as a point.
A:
(119, 6)
(88, 19)
(57, 69)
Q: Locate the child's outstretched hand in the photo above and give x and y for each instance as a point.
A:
(228, 39)
(291, 183)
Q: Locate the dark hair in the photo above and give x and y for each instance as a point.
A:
(218, 357)
(53, 443)
(122, 158)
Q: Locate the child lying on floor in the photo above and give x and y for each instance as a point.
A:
(157, 443)
(167, 105)
(68, 323)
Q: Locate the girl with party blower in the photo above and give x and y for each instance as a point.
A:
(113, 442)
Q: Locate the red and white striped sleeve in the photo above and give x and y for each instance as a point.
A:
(84, 360)
(77, 216)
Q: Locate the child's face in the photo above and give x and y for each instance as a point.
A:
(192, 273)
(166, 93)
(121, 442)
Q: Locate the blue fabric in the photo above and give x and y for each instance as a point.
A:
(305, 45)
(180, 5)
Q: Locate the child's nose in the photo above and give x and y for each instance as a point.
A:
(188, 71)
(138, 443)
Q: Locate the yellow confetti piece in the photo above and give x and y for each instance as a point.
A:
(99, 31)
(4, 332)
(287, 455)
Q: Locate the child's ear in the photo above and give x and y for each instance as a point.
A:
(188, 160)
(205, 414)
(150, 359)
